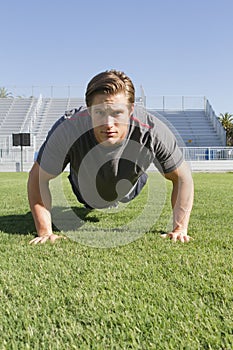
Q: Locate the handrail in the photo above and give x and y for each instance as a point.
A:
(175, 102)
(8, 153)
(27, 116)
(207, 153)
(215, 122)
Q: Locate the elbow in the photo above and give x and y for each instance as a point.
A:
(181, 175)
(33, 185)
(32, 177)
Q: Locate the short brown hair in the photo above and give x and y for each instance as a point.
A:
(110, 82)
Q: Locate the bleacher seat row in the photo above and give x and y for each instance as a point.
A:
(36, 115)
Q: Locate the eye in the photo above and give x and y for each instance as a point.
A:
(99, 113)
(117, 113)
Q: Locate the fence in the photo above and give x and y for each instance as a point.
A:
(14, 155)
(17, 158)
(215, 122)
(207, 153)
(50, 91)
(190, 153)
(172, 102)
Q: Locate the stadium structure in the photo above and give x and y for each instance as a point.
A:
(192, 119)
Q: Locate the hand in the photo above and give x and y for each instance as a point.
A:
(177, 236)
(52, 237)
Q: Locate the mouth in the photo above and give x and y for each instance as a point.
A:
(110, 133)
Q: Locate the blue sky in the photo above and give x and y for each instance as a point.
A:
(170, 47)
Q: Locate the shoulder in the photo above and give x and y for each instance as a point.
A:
(71, 119)
(68, 128)
(142, 119)
(76, 113)
(154, 122)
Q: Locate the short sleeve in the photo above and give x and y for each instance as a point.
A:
(168, 155)
(53, 154)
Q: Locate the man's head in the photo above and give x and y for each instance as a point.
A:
(110, 100)
(111, 82)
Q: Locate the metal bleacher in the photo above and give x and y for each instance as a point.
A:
(14, 113)
(49, 111)
(193, 127)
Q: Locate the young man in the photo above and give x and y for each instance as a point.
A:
(109, 141)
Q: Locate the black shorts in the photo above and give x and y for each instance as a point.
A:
(134, 192)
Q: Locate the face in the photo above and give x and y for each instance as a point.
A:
(110, 117)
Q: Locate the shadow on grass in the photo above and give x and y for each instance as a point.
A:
(157, 232)
(24, 224)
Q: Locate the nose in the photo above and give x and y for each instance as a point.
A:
(109, 120)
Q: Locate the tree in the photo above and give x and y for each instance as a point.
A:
(4, 93)
(230, 137)
(226, 119)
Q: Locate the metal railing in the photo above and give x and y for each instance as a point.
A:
(207, 153)
(49, 91)
(215, 122)
(190, 153)
(9, 154)
(185, 103)
(175, 103)
(14, 155)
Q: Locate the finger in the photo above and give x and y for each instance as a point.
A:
(188, 238)
(35, 240)
(43, 239)
(184, 238)
(39, 240)
(53, 238)
(174, 237)
(170, 235)
(181, 238)
(164, 235)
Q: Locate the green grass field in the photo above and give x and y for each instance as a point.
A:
(149, 294)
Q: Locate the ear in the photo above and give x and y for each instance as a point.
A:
(131, 109)
(89, 110)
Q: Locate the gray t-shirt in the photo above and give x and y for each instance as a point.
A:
(96, 170)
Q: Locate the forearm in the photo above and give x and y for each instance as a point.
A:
(182, 196)
(182, 202)
(42, 219)
(40, 205)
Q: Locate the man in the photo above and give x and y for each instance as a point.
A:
(111, 142)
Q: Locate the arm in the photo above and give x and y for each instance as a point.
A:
(39, 197)
(182, 201)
